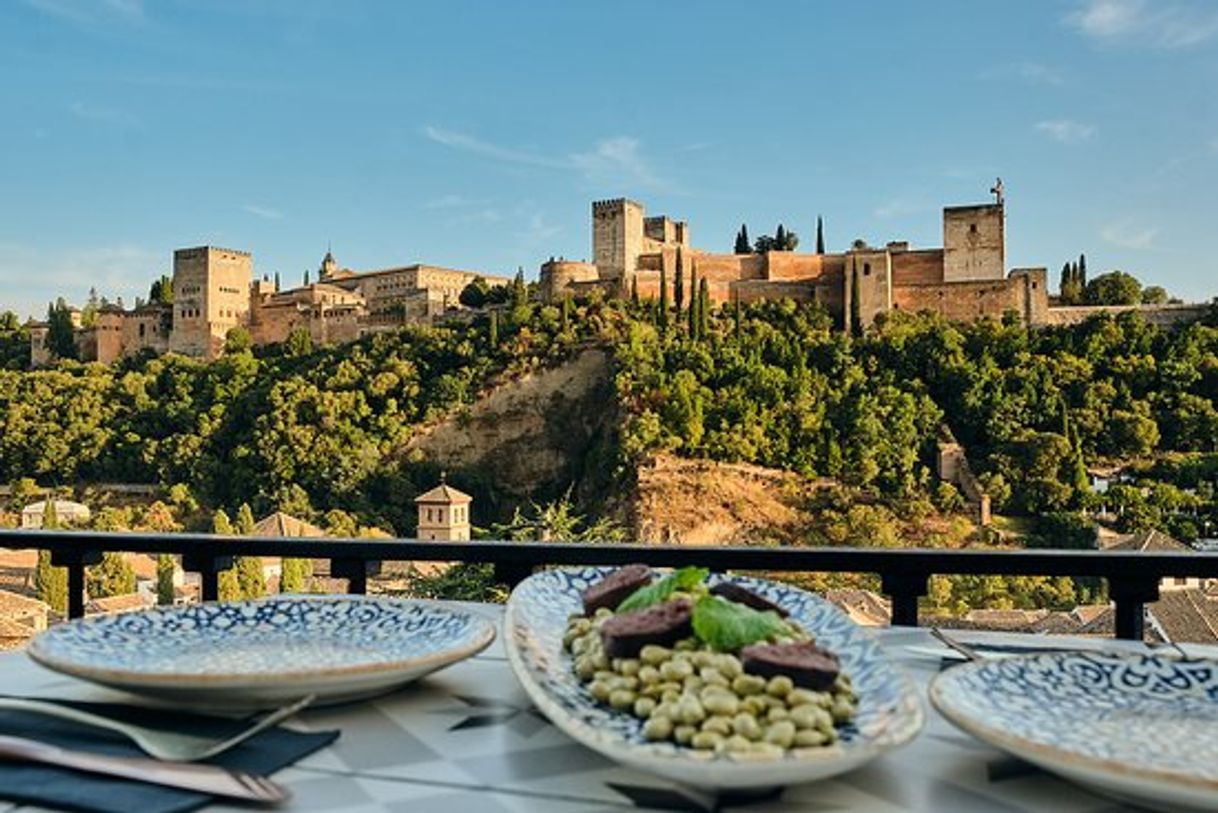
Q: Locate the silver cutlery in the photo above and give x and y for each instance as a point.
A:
(208, 779)
(164, 745)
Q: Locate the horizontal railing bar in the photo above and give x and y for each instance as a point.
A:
(1107, 564)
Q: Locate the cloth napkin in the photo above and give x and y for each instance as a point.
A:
(62, 788)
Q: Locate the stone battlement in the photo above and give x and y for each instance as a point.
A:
(202, 251)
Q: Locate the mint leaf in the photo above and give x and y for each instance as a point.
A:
(728, 626)
(686, 578)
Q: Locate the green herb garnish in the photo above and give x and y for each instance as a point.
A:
(686, 578)
(728, 626)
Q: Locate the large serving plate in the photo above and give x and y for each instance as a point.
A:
(890, 711)
(1142, 727)
(261, 653)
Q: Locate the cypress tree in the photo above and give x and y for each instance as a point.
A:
(164, 580)
(820, 236)
(694, 304)
(856, 309)
(663, 312)
(742, 241)
(780, 239)
(678, 288)
(276, 281)
(634, 290)
(703, 308)
(493, 334)
(51, 583)
(229, 590)
(306, 276)
(566, 313)
(1082, 271)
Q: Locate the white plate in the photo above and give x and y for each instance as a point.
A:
(890, 711)
(1142, 727)
(262, 653)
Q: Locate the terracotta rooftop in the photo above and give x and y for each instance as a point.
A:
(1151, 540)
(281, 524)
(116, 604)
(445, 494)
(1186, 616)
(13, 606)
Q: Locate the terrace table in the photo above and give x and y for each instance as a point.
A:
(467, 740)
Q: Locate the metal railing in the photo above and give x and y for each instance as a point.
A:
(1133, 577)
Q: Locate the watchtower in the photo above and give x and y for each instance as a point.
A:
(617, 238)
(974, 243)
(210, 297)
(443, 514)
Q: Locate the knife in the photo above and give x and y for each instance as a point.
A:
(209, 779)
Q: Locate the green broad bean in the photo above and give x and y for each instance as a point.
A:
(748, 684)
(806, 716)
(720, 702)
(702, 659)
(800, 697)
(736, 744)
(628, 667)
(686, 645)
(746, 725)
(766, 749)
(779, 686)
(675, 670)
(809, 738)
(690, 711)
(729, 666)
(692, 684)
(670, 695)
(684, 733)
(842, 711)
(599, 689)
(585, 668)
(603, 612)
(648, 675)
(718, 724)
(622, 699)
(776, 714)
(781, 734)
(657, 728)
(644, 707)
(653, 655)
(706, 740)
(712, 676)
(754, 705)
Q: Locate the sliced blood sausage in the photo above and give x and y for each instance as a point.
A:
(664, 624)
(741, 595)
(614, 588)
(805, 663)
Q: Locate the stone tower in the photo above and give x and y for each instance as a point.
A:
(443, 514)
(328, 267)
(210, 297)
(617, 239)
(974, 243)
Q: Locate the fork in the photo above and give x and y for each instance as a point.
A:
(165, 745)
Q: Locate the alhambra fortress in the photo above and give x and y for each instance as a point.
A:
(215, 289)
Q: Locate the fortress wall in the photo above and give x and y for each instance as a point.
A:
(1161, 315)
(147, 328)
(759, 290)
(558, 276)
(963, 301)
(922, 267)
(729, 267)
(787, 265)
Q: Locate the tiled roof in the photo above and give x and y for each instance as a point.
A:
(117, 604)
(281, 524)
(1151, 540)
(863, 606)
(13, 605)
(444, 493)
(1186, 616)
(143, 565)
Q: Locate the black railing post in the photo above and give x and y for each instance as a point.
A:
(209, 567)
(511, 573)
(355, 571)
(1131, 594)
(904, 587)
(76, 561)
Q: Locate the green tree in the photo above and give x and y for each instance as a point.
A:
(704, 307)
(856, 307)
(492, 334)
(1114, 288)
(61, 335)
(244, 526)
(634, 290)
(251, 582)
(228, 587)
(743, 246)
(165, 593)
(820, 236)
(663, 312)
(1081, 271)
(277, 285)
(566, 313)
(295, 575)
(113, 576)
(51, 583)
(678, 286)
(237, 340)
(299, 343)
(1154, 295)
(693, 306)
(476, 294)
(520, 291)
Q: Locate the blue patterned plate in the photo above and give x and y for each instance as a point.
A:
(889, 713)
(1137, 726)
(259, 653)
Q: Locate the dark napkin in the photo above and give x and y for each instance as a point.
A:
(48, 786)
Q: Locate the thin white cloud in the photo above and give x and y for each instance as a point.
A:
(1162, 24)
(1066, 131)
(83, 12)
(101, 115)
(1033, 73)
(116, 271)
(1128, 235)
(451, 201)
(897, 207)
(616, 161)
(264, 212)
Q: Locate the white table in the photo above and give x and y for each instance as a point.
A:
(467, 740)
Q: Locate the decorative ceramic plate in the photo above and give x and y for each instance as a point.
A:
(889, 712)
(1137, 726)
(266, 652)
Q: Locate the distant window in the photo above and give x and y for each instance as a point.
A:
(1181, 581)
(866, 269)
(1034, 286)
(141, 330)
(972, 228)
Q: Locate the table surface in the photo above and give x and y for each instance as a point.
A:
(467, 739)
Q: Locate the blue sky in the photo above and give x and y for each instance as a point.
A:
(475, 134)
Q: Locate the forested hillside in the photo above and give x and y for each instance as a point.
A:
(771, 384)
